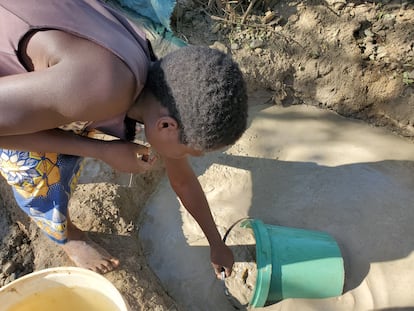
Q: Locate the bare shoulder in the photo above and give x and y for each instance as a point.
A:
(179, 171)
(88, 73)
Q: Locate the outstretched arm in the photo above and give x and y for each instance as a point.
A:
(186, 185)
(121, 155)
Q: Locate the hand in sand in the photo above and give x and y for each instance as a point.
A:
(222, 259)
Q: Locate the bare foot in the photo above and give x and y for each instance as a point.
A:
(86, 253)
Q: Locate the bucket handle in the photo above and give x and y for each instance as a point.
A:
(235, 304)
(232, 226)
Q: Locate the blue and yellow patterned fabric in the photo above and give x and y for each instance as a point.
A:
(42, 184)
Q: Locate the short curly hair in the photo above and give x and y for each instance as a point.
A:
(204, 91)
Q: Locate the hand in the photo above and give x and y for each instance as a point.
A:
(222, 259)
(127, 157)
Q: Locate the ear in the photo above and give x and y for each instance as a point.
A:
(167, 123)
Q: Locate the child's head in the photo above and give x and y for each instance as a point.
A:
(204, 91)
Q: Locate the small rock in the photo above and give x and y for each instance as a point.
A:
(315, 54)
(235, 46)
(381, 52)
(9, 267)
(339, 5)
(368, 33)
(219, 46)
(256, 43)
(278, 28)
(269, 16)
(216, 28)
(388, 20)
(369, 49)
(258, 51)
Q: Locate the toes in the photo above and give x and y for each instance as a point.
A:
(91, 256)
(107, 265)
(101, 269)
(94, 269)
(114, 262)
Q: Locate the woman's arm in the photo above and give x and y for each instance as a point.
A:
(186, 185)
(121, 155)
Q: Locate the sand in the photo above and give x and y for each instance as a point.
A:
(239, 287)
(306, 168)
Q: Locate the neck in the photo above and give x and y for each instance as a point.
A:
(140, 107)
(146, 108)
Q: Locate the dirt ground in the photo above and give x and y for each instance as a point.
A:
(353, 57)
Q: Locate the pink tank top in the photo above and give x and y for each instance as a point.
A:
(89, 19)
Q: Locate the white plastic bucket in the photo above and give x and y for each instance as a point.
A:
(62, 288)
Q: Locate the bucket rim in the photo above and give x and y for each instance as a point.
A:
(53, 270)
(26, 285)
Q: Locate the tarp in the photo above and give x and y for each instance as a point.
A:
(156, 10)
(155, 18)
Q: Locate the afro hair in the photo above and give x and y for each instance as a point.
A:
(204, 91)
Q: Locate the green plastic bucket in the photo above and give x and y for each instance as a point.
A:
(294, 263)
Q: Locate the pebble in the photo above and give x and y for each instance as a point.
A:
(256, 43)
(381, 52)
(269, 16)
(339, 5)
(258, 51)
(235, 46)
(216, 28)
(219, 46)
(9, 267)
(368, 33)
(369, 48)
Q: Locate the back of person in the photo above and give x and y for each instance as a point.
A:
(43, 181)
(89, 19)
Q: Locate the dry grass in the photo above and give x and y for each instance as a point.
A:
(238, 12)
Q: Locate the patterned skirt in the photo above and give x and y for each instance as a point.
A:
(42, 184)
